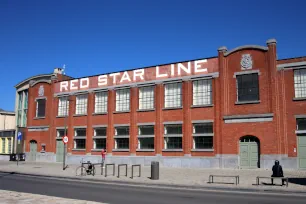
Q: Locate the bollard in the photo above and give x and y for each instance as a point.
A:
(154, 170)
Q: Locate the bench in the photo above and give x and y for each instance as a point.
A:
(272, 178)
(211, 178)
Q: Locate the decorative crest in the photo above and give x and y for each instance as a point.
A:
(246, 61)
(41, 91)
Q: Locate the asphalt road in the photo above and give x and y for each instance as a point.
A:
(110, 193)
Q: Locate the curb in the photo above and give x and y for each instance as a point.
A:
(171, 186)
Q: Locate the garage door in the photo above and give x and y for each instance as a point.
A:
(302, 152)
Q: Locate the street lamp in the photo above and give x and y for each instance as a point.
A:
(65, 134)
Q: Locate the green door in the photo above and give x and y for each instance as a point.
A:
(302, 152)
(59, 151)
(248, 155)
(33, 151)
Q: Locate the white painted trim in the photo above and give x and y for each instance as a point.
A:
(248, 120)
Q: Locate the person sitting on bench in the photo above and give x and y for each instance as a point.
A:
(277, 171)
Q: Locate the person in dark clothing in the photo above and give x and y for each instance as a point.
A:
(277, 171)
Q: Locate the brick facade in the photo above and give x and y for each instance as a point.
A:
(276, 93)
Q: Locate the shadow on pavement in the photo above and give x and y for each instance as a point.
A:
(299, 181)
(6, 174)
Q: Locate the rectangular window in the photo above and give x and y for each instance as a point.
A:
(101, 102)
(122, 137)
(19, 114)
(146, 97)
(61, 132)
(146, 137)
(40, 107)
(81, 104)
(80, 138)
(25, 109)
(3, 145)
(99, 138)
(173, 95)
(63, 106)
(123, 100)
(247, 87)
(203, 136)
(300, 83)
(202, 92)
(173, 136)
(100, 131)
(9, 140)
(100, 143)
(301, 123)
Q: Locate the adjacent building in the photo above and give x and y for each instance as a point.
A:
(243, 108)
(7, 133)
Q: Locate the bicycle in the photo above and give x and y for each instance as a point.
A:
(83, 170)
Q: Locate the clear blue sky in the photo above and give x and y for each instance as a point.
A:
(93, 37)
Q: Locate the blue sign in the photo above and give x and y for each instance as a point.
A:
(19, 136)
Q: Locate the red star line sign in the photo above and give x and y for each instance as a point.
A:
(65, 139)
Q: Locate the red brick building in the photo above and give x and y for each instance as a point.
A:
(241, 109)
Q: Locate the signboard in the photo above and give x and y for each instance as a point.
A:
(19, 137)
(149, 74)
(65, 139)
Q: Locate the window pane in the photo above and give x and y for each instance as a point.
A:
(174, 142)
(81, 104)
(3, 145)
(41, 108)
(203, 142)
(146, 143)
(146, 130)
(146, 97)
(202, 90)
(123, 100)
(63, 106)
(300, 83)
(122, 131)
(100, 131)
(173, 95)
(101, 102)
(122, 143)
(203, 128)
(61, 133)
(248, 88)
(80, 132)
(301, 124)
(100, 143)
(9, 145)
(173, 129)
(80, 143)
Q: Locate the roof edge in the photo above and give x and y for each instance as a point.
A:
(33, 77)
(257, 47)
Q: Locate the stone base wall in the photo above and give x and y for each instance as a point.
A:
(4, 157)
(219, 161)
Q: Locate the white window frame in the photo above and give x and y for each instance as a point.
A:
(167, 136)
(101, 100)
(173, 96)
(146, 98)
(299, 83)
(202, 92)
(123, 100)
(116, 137)
(81, 104)
(79, 137)
(207, 134)
(145, 136)
(37, 100)
(99, 137)
(63, 106)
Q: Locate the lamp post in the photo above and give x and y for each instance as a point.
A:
(65, 134)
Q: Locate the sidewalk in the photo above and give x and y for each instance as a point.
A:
(167, 176)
